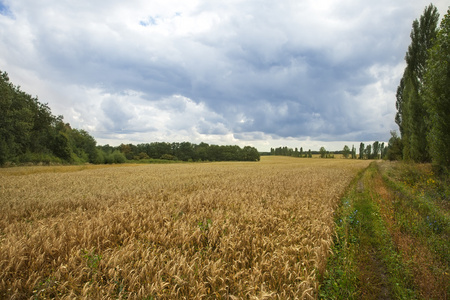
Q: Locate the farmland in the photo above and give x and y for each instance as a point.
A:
(194, 230)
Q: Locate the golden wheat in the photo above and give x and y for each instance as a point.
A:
(186, 231)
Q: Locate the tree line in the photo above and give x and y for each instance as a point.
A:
(377, 150)
(285, 151)
(186, 151)
(423, 94)
(29, 132)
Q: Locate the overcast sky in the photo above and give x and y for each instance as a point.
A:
(261, 73)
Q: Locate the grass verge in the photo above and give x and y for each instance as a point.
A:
(364, 263)
(420, 224)
(392, 236)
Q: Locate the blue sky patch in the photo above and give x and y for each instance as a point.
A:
(149, 22)
(4, 10)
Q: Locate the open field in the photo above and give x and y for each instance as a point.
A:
(193, 231)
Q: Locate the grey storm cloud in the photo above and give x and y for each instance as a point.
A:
(200, 70)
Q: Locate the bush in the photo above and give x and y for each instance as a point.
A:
(118, 157)
(37, 158)
(168, 157)
(99, 157)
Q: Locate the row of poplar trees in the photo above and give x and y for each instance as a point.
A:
(423, 96)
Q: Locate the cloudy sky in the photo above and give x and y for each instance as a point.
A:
(305, 73)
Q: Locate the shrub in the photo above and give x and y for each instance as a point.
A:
(118, 157)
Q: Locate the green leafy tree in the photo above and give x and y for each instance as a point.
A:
(346, 151)
(361, 151)
(16, 120)
(82, 144)
(61, 146)
(185, 151)
(437, 96)
(411, 113)
(376, 150)
(395, 147)
(323, 152)
(368, 151)
(382, 153)
(399, 104)
(7, 138)
(250, 154)
(26, 125)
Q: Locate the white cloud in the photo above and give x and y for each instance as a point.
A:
(221, 72)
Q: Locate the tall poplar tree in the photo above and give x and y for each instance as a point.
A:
(437, 97)
(361, 150)
(411, 113)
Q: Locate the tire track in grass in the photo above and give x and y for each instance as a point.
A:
(365, 263)
(424, 248)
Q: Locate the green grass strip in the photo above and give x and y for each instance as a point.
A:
(364, 263)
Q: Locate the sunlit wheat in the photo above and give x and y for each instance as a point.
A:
(193, 231)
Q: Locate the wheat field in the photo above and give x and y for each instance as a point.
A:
(255, 230)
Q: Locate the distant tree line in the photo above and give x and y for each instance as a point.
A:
(29, 132)
(186, 151)
(423, 95)
(285, 151)
(376, 150)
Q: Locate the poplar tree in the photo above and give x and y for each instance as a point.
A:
(368, 151)
(346, 151)
(411, 113)
(361, 151)
(437, 97)
(375, 149)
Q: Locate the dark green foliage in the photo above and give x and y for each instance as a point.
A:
(395, 147)
(437, 97)
(382, 150)
(283, 151)
(16, 121)
(250, 154)
(411, 113)
(26, 126)
(323, 152)
(346, 151)
(168, 157)
(361, 150)
(399, 105)
(185, 151)
(118, 157)
(423, 96)
(61, 147)
(30, 133)
(376, 150)
(368, 151)
(83, 144)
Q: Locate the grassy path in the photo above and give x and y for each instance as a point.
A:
(381, 249)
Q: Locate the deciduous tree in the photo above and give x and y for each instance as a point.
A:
(437, 96)
(411, 113)
(346, 151)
